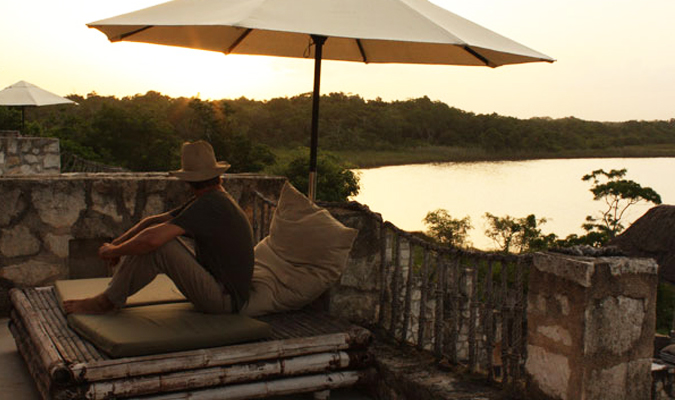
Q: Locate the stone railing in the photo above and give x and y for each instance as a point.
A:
(51, 226)
(20, 155)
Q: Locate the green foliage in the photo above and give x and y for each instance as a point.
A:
(10, 118)
(447, 230)
(335, 181)
(618, 194)
(520, 235)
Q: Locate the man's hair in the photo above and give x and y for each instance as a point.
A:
(204, 184)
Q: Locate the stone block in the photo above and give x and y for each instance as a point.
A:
(613, 324)
(11, 205)
(549, 372)
(52, 161)
(18, 241)
(59, 203)
(32, 273)
(154, 204)
(103, 200)
(57, 244)
(575, 269)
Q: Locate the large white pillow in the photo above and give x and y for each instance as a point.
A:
(305, 253)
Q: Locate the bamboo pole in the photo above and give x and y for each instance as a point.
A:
(454, 298)
(395, 287)
(87, 349)
(473, 308)
(30, 356)
(423, 301)
(440, 316)
(489, 323)
(280, 387)
(65, 349)
(222, 376)
(408, 292)
(47, 352)
(383, 274)
(219, 356)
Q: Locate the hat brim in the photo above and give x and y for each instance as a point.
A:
(201, 175)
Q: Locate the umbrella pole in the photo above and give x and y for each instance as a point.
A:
(316, 96)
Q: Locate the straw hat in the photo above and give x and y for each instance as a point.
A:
(198, 163)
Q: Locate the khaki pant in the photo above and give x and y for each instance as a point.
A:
(178, 263)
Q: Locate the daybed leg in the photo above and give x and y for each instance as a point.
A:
(322, 395)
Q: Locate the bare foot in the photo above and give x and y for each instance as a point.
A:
(99, 304)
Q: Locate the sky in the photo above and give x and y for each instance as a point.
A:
(615, 61)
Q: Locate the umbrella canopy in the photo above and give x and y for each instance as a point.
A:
(371, 31)
(23, 94)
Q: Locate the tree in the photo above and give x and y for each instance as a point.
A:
(447, 230)
(521, 234)
(335, 180)
(618, 194)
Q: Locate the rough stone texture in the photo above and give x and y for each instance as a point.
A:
(33, 273)
(41, 216)
(405, 373)
(614, 324)
(549, 371)
(356, 297)
(11, 205)
(20, 155)
(58, 244)
(572, 269)
(599, 315)
(18, 241)
(59, 203)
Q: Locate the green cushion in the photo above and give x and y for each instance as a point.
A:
(164, 328)
(160, 290)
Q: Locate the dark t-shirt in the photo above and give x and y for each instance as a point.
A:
(223, 241)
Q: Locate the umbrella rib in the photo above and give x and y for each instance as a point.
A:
(363, 53)
(239, 40)
(478, 56)
(139, 30)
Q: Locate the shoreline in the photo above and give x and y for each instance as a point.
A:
(437, 154)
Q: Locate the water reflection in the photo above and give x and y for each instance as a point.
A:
(548, 188)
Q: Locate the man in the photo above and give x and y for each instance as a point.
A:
(217, 278)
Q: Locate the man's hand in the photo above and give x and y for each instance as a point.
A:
(105, 252)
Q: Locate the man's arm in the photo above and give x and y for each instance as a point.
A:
(145, 241)
(145, 223)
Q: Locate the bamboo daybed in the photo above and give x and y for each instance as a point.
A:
(307, 351)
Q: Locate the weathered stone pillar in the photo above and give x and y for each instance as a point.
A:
(591, 325)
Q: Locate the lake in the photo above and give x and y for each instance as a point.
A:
(552, 189)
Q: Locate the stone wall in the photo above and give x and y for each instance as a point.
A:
(50, 227)
(20, 155)
(591, 327)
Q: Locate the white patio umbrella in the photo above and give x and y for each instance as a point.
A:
(370, 31)
(23, 94)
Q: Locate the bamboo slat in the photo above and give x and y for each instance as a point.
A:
(221, 356)
(383, 274)
(85, 348)
(439, 318)
(281, 387)
(473, 309)
(421, 329)
(490, 321)
(408, 292)
(454, 298)
(30, 356)
(209, 377)
(395, 287)
(47, 352)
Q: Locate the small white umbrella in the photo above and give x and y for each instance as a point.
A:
(23, 94)
(370, 31)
